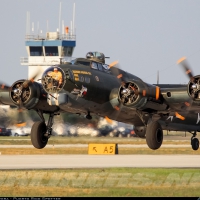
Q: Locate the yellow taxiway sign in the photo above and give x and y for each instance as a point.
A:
(102, 149)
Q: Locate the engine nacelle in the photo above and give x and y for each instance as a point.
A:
(194, 88)
(140, 131)
(5, 99)
(141, 95)
(29, 96)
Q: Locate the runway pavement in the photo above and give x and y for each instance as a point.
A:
(97, 161)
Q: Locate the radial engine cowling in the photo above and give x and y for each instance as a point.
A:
(194, 88)
(141, 95)
(26, 93)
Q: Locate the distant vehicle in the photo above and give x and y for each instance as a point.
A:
(21, 131)
(61, 129)
(122, 132)
(83, 131)
(105, 130)
(117, 132)
(130, 133)
(5, 131)
(27, 130)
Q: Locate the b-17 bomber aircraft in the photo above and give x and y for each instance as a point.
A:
(89, 86)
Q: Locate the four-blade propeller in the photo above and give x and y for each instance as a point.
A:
(115, 68)
(192, 85)
(186, 68)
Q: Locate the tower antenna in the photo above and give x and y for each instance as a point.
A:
(73, 28)
(33, 27)
(62, 27)
(59, 16)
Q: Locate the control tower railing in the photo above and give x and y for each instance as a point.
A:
(49, 36)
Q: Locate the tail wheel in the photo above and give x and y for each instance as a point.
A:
(195, 144)
(38, 139)
(154, 135)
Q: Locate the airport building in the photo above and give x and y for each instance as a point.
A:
(51, 48)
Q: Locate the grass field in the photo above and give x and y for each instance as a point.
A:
(114, 182)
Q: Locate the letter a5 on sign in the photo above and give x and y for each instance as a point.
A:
(102, 149)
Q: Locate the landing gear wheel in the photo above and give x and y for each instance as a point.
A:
(38, 139)
(195, 143)
(154, 135)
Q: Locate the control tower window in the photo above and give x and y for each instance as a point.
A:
(67, 51)
(36, 51)
(51, 51)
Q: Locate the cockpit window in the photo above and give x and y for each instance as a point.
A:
(53, 79)
(106, 67)
(83, 63)
(94, 65)
(100, 67)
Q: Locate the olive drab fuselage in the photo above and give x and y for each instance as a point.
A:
(92, 86)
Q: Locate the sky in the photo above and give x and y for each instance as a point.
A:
(145, 36)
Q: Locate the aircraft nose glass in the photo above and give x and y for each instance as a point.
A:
(53, 79)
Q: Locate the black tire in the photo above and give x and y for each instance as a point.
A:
(154, 135)
(38, 139)
(16, 135)
(195, 144)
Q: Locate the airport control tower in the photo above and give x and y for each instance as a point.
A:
(45, 50)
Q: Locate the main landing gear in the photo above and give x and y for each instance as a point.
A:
(40, 132)
(194, 141)
(154, 135)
